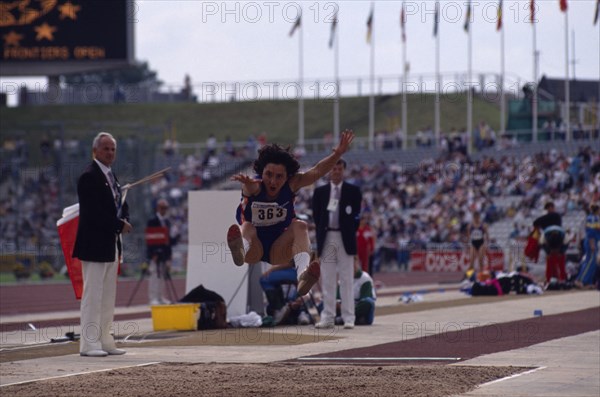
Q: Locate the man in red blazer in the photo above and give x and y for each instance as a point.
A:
(160, 255)
(102, 218)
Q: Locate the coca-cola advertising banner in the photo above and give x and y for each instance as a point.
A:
(451, 261)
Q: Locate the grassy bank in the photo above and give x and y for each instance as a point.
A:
(193, 122)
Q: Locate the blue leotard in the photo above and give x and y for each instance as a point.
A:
(270, 217)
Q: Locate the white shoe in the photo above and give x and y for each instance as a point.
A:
(165, 301)
(154, 302)
(348, 325)
(94, 353)
(116, 352)
(281, 314)
(303, 319)
(324, 325)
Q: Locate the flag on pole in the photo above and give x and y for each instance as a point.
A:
(436, 20)
(333, 28)
(468, 19)
(370, 26)
(532, 11)
(597, 12)
(403, 24)
(499, 22)
(563, 5)
(296, 25)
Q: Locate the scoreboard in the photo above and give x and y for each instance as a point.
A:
(52, 37)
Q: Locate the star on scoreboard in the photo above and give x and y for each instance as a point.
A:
(13, 38)
(45, 31)
(69, 10)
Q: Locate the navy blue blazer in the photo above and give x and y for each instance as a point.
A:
(99, 225)
(349, 210)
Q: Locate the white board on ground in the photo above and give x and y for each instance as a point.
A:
(210, 213)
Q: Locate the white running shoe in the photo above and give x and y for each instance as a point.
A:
(303, 318)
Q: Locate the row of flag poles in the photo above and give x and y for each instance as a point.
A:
(334, 44)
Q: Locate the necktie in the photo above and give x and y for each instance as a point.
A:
(115, 188)
(334, 215)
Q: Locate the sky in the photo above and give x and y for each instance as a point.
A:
(249, 42)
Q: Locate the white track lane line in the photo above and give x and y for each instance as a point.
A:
(378, 358)
(512, 376)
(79, 373)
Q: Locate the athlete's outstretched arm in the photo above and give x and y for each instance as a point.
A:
(324, 166)
(250, 186)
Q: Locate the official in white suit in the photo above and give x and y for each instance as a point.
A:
(102, 218)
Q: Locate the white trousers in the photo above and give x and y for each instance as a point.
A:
(337, 264)
(98, 305)
(156, 281)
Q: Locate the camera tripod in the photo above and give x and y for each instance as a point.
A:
(165, 274)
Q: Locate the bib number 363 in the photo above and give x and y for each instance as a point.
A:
(266, 214)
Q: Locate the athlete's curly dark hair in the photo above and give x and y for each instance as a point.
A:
(275, 154)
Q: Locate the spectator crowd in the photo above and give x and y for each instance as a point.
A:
(409, 207)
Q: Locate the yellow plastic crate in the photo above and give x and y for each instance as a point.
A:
(179, 317)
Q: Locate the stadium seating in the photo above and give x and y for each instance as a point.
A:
(400, 187)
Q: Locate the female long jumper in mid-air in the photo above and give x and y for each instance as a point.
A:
(268, 228)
